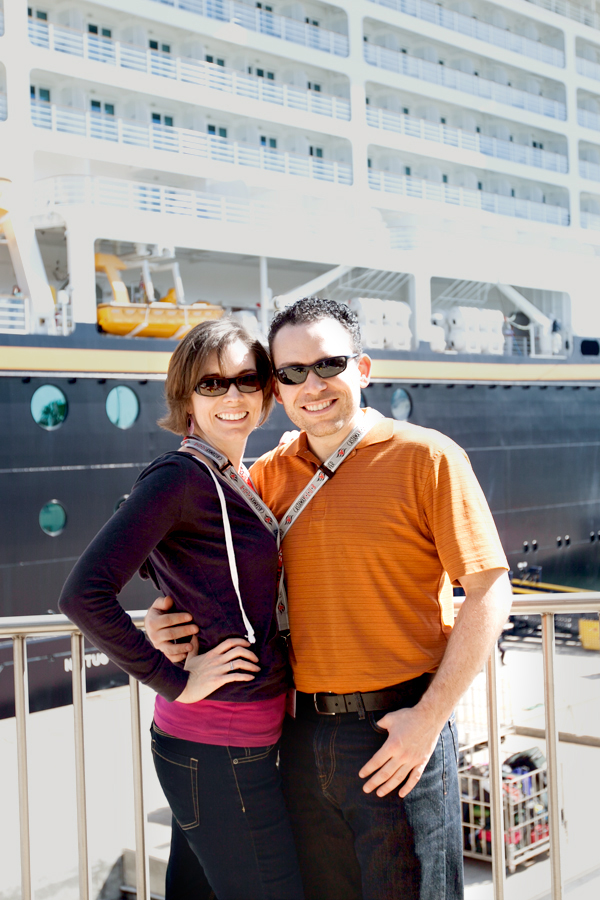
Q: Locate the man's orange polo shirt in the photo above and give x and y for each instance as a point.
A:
(370, 562)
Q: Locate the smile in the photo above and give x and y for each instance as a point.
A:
(232, 417)
(315, 407)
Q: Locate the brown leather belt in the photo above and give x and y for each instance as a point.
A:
(407, 693)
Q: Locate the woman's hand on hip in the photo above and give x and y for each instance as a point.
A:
(163, 628)
(231, 660)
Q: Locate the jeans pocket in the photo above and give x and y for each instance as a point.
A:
(454, 733)
(241, 755)
(178, 777)
(376, 728)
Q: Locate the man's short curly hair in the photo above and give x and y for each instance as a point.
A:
(313, 309)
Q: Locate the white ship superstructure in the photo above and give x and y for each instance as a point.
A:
(456, 140)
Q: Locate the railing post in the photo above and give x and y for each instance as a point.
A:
(495, 773)
(551, 753)
(142, 874)
(78, 680)
(21, 712)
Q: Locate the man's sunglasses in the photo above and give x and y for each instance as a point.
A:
(217, 385)
(324, 368)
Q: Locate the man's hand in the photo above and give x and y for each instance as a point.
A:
(406, 752)
(163, 627)
(288, 436)
(231, 660)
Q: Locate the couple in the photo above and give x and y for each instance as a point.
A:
(368, 750)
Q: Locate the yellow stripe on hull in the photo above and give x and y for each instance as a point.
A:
(77, 360)
(473, 372)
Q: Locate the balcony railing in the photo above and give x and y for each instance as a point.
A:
(2, 106)
(421, 189)
(587, 67)
(14, 314)
(465, 140)
(185, 70)
(491, 34)
(589, 170)
(590, 220)
(414, 67)
(185, 142)
(265, 22)
(20, 629)
(573, 11)
(588, 119)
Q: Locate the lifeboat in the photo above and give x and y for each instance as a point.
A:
(159, 319)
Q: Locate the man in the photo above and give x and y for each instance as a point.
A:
(369, 761)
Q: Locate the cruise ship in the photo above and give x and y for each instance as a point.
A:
(435, 165)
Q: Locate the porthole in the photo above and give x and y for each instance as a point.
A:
(401, 405)
(122, 406)
(52, 518)
(49, 407)
(121, 501)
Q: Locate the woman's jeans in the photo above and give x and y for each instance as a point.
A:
(229, 815)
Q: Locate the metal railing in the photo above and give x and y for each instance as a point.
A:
(19, 629)
(422, 189)
(589, 220)
(2, 106)
(184, 69)
(588, 119)
(483, 31)
(577, 12)
(465, 140)
(588, 67)
(185, 142)
(589, 170)
(14, 314)
(414, 67)
(265, 22)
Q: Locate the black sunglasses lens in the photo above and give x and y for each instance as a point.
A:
(248, 384)
(327, 368)
(293, 374)
(213, 387)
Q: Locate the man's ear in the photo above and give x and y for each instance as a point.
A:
(276, 393)
(364, 367)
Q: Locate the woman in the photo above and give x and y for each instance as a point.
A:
(217, 719)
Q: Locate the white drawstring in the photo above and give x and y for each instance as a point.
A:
(250, 636)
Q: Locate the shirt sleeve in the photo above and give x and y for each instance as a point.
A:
(89, 597)
(458, 517)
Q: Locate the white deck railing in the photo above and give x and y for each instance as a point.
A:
(589, 170)
(574, 11)
(19, 629)
(588, 67)
(184, 69)
(2, 106)
(395, 61)
(185, 142)
(588, 119)
(590, 220)
(271, 24)
(421, 189)
(14, 314)
(465, 140)
(491, 34)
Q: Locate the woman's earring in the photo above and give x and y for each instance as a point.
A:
(190, 425)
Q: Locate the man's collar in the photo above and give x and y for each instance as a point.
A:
(381, 431)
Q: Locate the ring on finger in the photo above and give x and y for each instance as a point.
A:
(231, 665)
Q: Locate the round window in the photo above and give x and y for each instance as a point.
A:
(401, 405)
(122, 406)
(52, 518)
(49, 407)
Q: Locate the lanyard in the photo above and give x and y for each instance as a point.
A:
(279, 530)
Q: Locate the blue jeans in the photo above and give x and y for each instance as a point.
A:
(357, 846)
(230, 817)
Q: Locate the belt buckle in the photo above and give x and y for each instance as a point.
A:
(319, 711)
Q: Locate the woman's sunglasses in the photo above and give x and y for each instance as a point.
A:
(217, 385)
(324, 368)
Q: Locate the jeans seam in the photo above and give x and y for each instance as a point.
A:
(193, 769)
(255, 758)
(333, 764)
(444, 811)
(237, 784)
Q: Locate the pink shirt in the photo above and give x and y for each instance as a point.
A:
(254, 724)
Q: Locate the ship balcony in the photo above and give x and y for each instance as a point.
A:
(2, 106)
(502, 35)
(185, 70)
(467, 82)
(589, 214)
(441, 191)
(589, 161)
(587, 60)
(305, 33)
(588, 110)
(413, 126)
(575, 11)
(186, 142)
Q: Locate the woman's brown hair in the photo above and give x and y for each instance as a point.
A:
(187, 365)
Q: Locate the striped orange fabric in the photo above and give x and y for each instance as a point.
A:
(371, 561)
